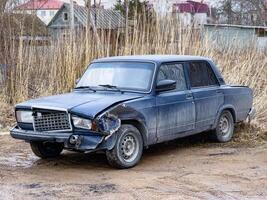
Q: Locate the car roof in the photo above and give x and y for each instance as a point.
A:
(152, 58)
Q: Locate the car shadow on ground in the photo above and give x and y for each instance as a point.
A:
(98, 159)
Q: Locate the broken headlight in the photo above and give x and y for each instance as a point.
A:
(108, 123)
(79, 122)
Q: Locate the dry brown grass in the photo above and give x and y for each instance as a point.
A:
(248, 135)
(46, 70)
(6, 117)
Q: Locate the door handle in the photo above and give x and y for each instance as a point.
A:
(189, 96)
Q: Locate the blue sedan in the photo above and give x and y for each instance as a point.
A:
(122, 105)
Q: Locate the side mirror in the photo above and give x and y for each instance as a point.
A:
(165, 85)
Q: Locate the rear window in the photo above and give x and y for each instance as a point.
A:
(201, 75)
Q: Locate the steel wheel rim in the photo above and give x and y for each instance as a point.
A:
(129, 147)
(224, 125)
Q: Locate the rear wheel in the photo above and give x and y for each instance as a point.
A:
(225, 127)
(128, 148)
(46, 149)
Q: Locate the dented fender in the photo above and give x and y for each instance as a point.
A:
(108, 143)
(120, 114)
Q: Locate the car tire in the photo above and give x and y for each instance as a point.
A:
(128, 149)
(225, 127)
(46, 149)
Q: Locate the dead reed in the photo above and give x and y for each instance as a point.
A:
(35, 70)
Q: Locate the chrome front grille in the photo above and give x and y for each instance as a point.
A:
(51, 121)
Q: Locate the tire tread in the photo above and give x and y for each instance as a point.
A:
(37, 149)
(214, 133)
(112, 156)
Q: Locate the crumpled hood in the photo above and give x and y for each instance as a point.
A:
(79, 102)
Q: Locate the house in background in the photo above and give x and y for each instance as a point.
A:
(100, 19)
(19, 30)
(44, 9)
(23, 27)
(191, 12)
(224, 36)
(166, 6)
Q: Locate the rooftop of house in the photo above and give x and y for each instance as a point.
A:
(40, 5)
(100, 17)
(236, 26)
(190, 7)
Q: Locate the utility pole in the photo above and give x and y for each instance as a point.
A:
(242, 21)
(90, 21)
(88, 6)
(229, 11)
(95, 13)
(71, 15)
(126, 2)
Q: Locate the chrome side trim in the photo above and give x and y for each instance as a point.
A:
(251, 114)
(49, 108)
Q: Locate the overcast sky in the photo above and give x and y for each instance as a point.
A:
(110, 3)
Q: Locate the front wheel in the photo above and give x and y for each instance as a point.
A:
(225, 127)
(46, 149)
(128, 149)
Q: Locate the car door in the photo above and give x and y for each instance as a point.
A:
(206, 91)
(176, 109)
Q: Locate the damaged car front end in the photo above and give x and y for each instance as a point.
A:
(61, 126)
(91, 135)
(90, 118)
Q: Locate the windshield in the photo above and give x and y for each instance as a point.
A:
(122, 75)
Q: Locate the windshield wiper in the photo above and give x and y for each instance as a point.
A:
(85, 87)
(110, 87)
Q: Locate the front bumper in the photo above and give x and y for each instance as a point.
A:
(86, 142)
(27, 135)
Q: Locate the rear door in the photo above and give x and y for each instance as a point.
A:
(207, 93)
(176, 109)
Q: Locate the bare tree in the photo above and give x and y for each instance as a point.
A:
(3, 4)
(245, 12)
(259, 7)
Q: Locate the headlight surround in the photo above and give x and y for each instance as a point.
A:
(83, 123)
(24, 116)
(108, 123)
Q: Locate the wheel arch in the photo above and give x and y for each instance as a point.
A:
(140, 126)
(232, 111)
(229, 108)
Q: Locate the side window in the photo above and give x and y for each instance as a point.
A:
(51, 13)
(173, 72)
(43, 13)
(201, 75)
(65, 16)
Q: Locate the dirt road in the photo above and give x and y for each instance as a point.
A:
(178, 170)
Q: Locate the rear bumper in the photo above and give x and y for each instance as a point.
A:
(251, 114)
(85, 142)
